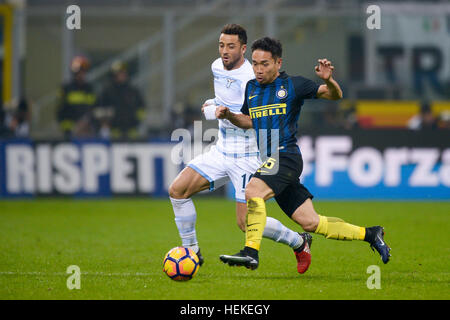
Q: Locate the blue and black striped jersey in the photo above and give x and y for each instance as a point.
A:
(275, 108)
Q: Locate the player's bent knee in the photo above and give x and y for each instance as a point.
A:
(176, 192)
(310, 224)
(252, 192)
(172, 192)
(306, 217)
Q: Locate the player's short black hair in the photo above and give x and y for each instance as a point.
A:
(270, 45)
(236, 29)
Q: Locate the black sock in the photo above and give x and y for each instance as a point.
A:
(251, 252)
(370, 235)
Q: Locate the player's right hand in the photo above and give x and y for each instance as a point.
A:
(222, 112)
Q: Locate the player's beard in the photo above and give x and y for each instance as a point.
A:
(231, 62)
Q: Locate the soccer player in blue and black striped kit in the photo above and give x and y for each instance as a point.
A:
(272, 105)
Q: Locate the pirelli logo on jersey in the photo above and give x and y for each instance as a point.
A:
(268, 110)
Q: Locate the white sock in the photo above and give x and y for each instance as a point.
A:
(185, 218)
(276, 231)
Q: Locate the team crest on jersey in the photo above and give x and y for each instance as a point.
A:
(282, 93)
(229, 82)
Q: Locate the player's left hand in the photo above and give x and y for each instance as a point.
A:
(324, 69)
(222, 112)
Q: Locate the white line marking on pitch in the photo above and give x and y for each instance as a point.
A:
(113, 274)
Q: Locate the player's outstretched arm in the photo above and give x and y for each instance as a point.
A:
(238, 119)
(331, 89)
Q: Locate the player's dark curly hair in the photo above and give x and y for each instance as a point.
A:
(237, 30)
(270, 45)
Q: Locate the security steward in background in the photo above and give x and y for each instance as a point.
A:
(77, 101)
(121, 107)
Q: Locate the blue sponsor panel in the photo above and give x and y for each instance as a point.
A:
(378, 166)
(160, 190)
(343, 188)
(23, 185)
(93, 166)
(85, 168)
(2, 170)
(335, 167)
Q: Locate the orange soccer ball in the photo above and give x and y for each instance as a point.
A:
(180, 264)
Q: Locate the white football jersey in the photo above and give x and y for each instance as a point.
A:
(229, 88)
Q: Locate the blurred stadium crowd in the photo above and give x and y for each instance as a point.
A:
(113, 113)
(118, 110)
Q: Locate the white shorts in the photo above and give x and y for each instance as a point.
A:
(219, 168)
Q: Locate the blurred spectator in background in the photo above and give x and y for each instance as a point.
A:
(121, 107)
(444, 120)
(77, 101)
(332, 118)
(20, 119)
(179, 117)
(336, 115)
(4, 130)
(183, 116)
(350, 117)
(15, 119)
(425, 120)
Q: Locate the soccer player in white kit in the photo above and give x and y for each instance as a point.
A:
(235, 155)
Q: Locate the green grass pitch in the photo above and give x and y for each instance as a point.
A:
(119, 246)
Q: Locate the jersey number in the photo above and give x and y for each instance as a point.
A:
(269, 163)
(244, 180)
